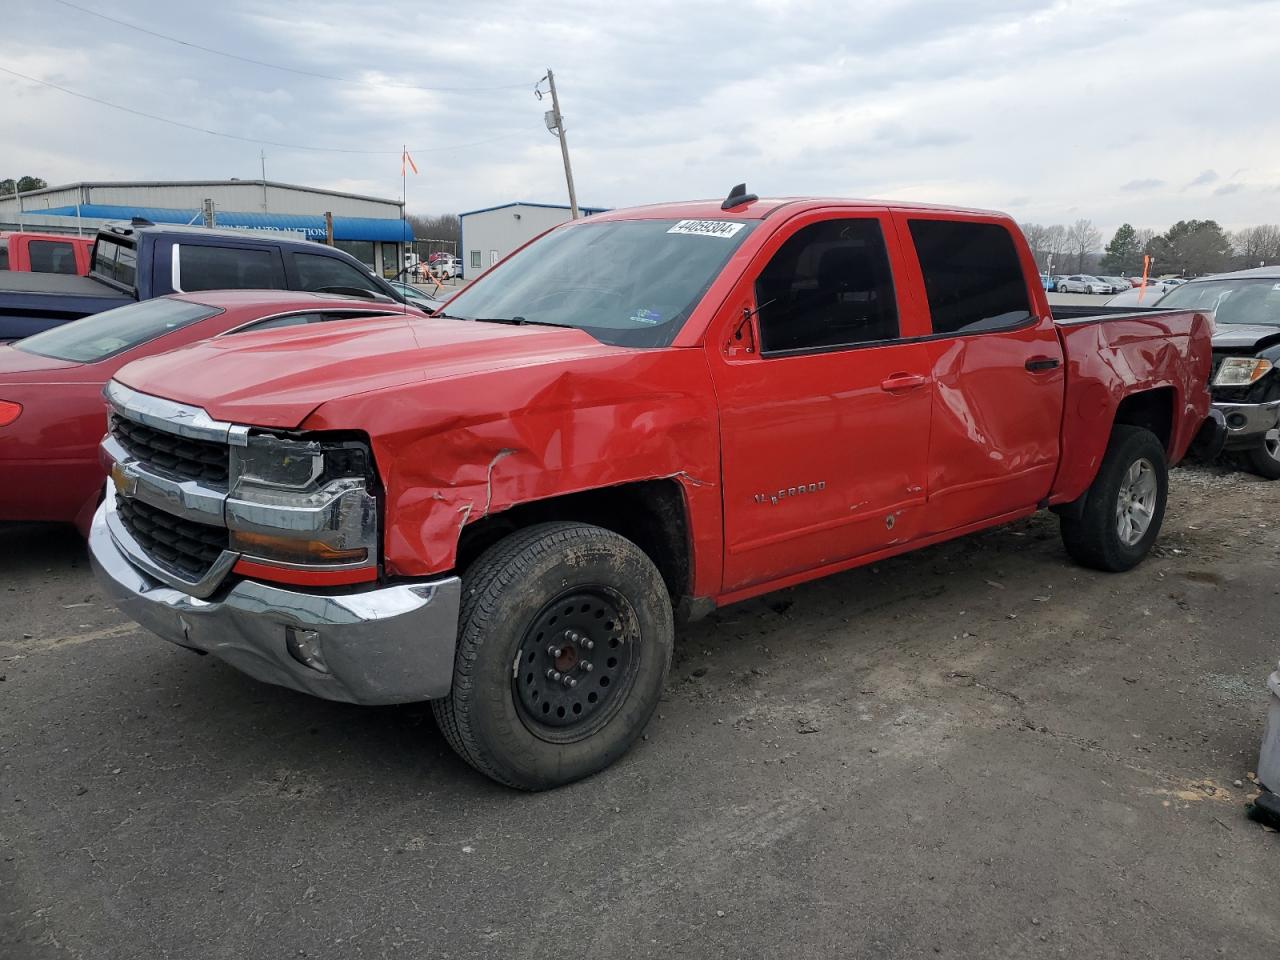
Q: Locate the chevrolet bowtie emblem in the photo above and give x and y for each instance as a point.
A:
(125, 483)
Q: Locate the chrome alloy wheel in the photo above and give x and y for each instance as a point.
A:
(1136, 503)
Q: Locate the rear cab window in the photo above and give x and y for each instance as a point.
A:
(116, 260)
(973, 276)
(50, 256)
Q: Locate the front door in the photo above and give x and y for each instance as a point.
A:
(997, 372)
(824, 409)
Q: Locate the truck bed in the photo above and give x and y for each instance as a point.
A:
(31, 302)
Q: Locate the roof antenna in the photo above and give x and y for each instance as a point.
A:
(737, 197)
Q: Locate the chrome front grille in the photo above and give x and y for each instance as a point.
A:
(170, 474)
(186, 458)
(184, 546)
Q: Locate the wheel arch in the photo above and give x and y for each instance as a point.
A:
(653, 514)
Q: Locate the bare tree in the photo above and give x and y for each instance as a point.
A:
(1257, 246)
(1056, 245)
(1037, 236)
(1083, 239)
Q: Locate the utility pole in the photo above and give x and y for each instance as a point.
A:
(263, 155)
(555, 123)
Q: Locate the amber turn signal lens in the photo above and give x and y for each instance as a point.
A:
(264, 546)
(9, 412)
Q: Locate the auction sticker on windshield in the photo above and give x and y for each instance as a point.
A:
(708, 228)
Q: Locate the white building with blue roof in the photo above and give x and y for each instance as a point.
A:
(371, 229)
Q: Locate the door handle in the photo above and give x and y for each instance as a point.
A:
(902, 381)
(1040, 364)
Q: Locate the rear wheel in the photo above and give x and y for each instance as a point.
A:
(1124, 506)
(564, 644)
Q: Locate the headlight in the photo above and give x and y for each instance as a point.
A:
(1240, 371)
(304, 504)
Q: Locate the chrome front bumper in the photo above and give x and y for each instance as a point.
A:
(391, 645)
(1250, 423)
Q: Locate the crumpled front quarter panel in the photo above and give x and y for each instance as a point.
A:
(452, 451)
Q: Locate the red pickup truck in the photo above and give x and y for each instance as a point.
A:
(45, 253)
(641, 416)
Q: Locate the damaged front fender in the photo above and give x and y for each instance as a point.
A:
(452, 452)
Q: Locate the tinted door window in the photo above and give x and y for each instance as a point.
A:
(227, 268)
(362, 250)
(829, 285)
(4, 254)
(49, 256)
(972, 276)
(321, 273)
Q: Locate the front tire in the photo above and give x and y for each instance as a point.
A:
(564, 644)
(1124, 506)
(1265, 459)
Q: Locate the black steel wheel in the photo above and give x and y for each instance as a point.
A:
(577, 663)
(564, 643)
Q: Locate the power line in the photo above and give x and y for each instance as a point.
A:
(276, 66)
(244, 139)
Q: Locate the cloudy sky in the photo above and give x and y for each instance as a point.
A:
(1051, 109)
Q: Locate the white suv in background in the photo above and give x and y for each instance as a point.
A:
(446, 268)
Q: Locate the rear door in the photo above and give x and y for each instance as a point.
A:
(996, 368)
(824, 400)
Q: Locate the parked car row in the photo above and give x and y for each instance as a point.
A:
(140, 260)
(1085, 283)
(1094, 284)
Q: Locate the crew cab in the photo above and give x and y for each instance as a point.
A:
(24, 252)
(140, 260)
(639, 417)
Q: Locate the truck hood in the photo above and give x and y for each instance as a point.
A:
(276, 378)
(1244, 336)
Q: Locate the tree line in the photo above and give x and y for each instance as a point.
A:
(1189, 248)
(9, 186)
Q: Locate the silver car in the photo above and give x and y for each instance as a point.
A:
(1084, 283)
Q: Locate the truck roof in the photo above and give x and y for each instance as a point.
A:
(765, 207)
(127, 228)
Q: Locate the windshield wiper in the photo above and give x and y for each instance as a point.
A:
(519, 321)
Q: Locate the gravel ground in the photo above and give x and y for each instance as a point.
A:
(977, 750)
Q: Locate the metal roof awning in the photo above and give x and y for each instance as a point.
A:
(344, 228)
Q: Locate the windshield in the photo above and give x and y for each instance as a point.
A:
(626, 282)
(105, 334)
(1253, 300)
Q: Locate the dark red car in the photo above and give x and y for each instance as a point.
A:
(53, 416)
